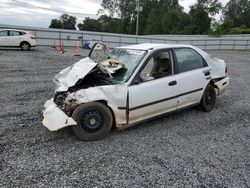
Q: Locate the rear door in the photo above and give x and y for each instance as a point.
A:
(15, 38)
(4, 38)
(193, 76)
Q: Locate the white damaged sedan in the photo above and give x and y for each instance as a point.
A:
(130, 84)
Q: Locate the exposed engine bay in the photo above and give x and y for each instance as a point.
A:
(99, 76)
(93, 79)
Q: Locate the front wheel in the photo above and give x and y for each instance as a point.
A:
(208, 99)
(94, 121)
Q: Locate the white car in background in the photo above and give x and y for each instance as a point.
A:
(131, 84)
(17, 38)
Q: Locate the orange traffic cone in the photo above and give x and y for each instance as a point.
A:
(77, 49)
(53, 45)
(62, 50)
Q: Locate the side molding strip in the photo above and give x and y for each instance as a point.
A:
(159, 101)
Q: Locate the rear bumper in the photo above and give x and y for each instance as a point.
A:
(54, 118)
(33, 43)
(222, 85)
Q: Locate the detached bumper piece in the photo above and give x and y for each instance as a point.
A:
(222, 85)
(55, 118)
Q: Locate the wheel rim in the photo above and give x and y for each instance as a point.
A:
(92, 121)
(210, 97)
(25, 46)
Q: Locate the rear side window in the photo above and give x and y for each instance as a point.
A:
(188, 59)
(14, 33)
(3, 33)
(22, 33)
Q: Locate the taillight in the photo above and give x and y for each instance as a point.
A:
(32, 37)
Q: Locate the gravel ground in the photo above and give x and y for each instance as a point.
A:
(187, 149)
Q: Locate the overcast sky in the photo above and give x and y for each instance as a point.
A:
(28, 13)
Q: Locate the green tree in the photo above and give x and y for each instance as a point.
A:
(147, 5)
(200, 15)
(161, 16)
(165, 18)
(238, 11)
(112, 25)
(174, 22)
(112, 6)
(153, 25)
(124, 9)
(200, 20)
(212, 7)
(227, 25)
(64, 22)
(89, 25)
(68, 22)
(55, 23)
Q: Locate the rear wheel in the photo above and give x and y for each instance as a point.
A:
(208, 99)
(25, 46)
(94, 121)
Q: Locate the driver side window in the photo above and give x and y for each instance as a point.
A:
(159, 65)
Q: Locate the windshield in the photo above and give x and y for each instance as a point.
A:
(120, 63)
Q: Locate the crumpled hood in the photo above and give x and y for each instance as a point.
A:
(70, 76)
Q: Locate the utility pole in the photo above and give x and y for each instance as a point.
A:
(137, 23)
(138, 10)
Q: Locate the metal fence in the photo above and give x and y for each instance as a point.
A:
(46, 37)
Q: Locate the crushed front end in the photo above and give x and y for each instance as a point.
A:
(81, 83)
(58, 110)
(55, 118)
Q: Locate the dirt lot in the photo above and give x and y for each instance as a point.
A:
(190, 148)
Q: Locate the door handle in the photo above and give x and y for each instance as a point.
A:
(207, 73)
(172, 83)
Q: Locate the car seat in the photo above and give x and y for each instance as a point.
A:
(161, 68)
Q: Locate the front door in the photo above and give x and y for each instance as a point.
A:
(4, 38)
(154, 90)
(97, 51)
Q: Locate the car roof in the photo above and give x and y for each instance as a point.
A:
(14, 30)
(153, 46)
(148, 46)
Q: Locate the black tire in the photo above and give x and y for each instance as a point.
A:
(208, 100)
(25, 46)
(94, 121)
